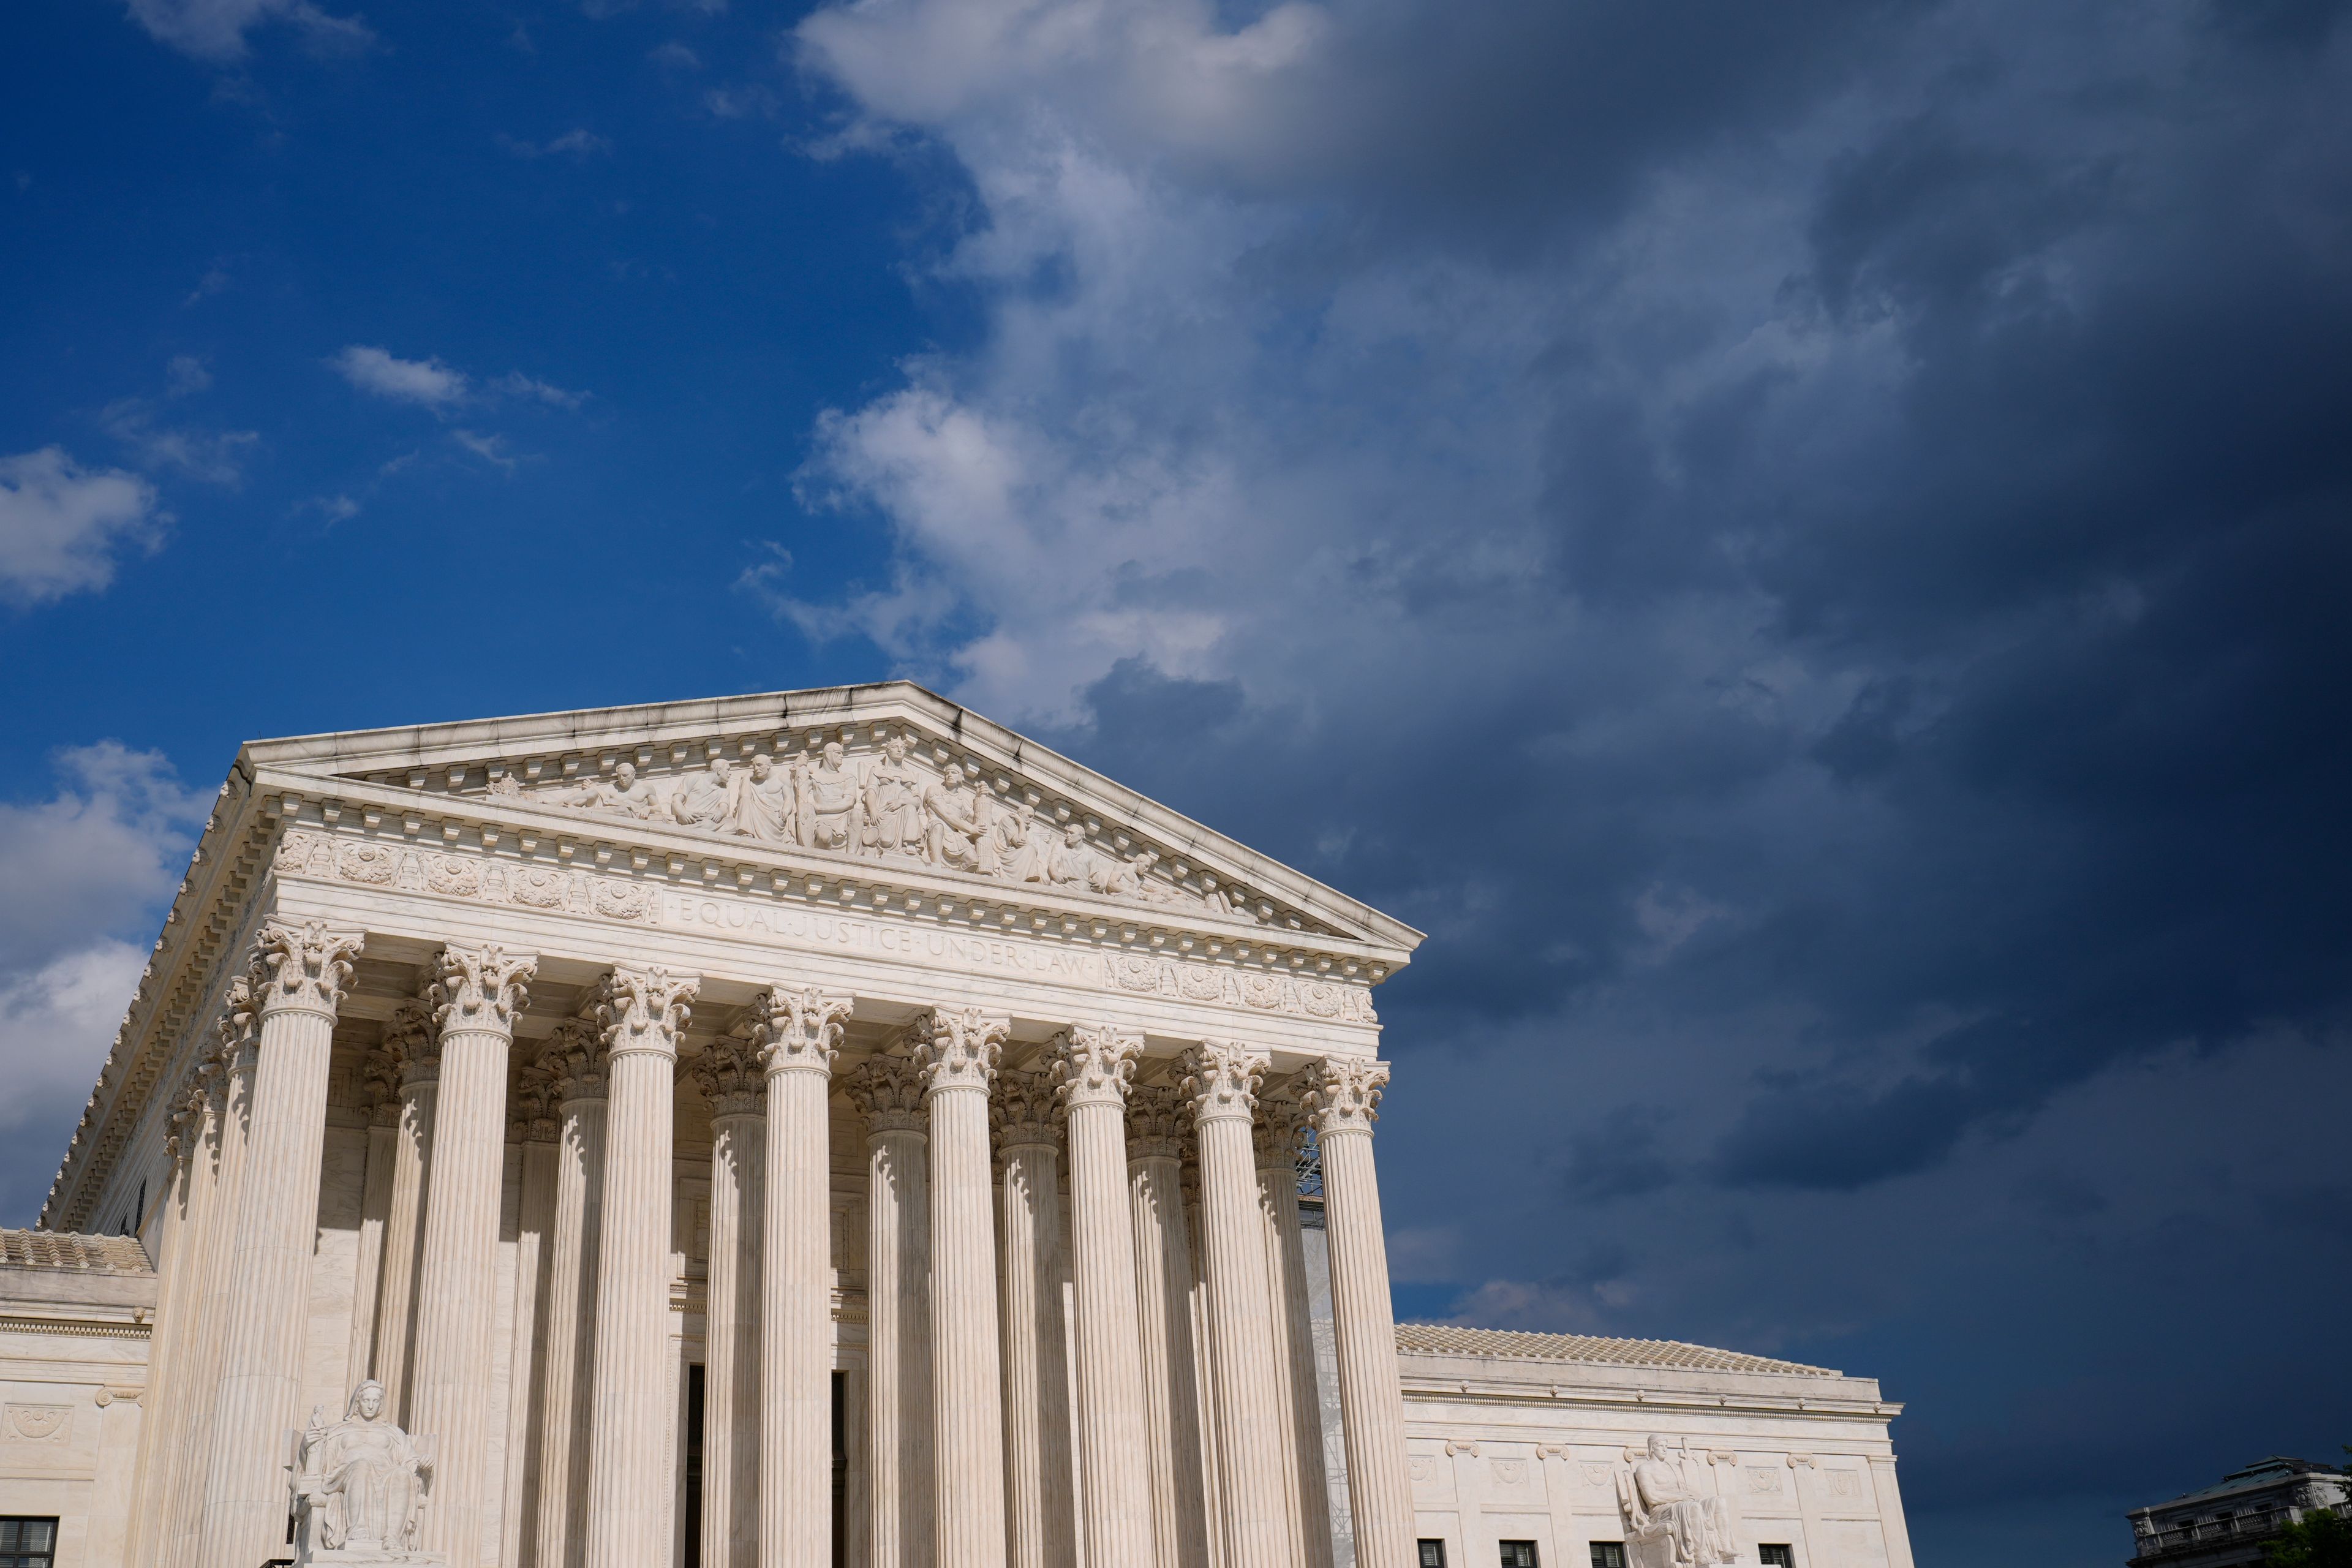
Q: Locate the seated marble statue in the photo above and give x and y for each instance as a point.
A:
(1671, 1522)
(359, 1486)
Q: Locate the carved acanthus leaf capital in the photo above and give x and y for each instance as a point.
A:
(414, 1045)
(302, 968)
(1343, 1095)
(646, 1009)
(1220, 1077)
(958, 1047)
(379, 1086)
(239, 1028)
(530, 1113)
(798, 1030)
(1281, 1123)
(1155, 1123)
(889, 1092)
(1093, 1064)
(480, 989)
(576, 1061)
(729, 1076)
(1026, 1110)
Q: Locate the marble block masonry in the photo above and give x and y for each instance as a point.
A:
(818, 1128)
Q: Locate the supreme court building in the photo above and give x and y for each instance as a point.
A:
(820, 1128)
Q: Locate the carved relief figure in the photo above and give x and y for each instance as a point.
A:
(625, 795)
(894, 801)
(1673, 1517)
(762, 807)
(705, 799)
(829, 815)
(953, 822)
(361, 1485)
(1071, 863)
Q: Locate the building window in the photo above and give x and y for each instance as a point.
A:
(1519, 1554)
(1433, 1554)
(1608, 1554)
(1777, 1556)
(28, 1542)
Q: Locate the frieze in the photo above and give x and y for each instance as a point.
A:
(574, 891)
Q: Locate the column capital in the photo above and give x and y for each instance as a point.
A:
(1220, 1077)
(643, 1010)
(730, 1077)
(478, 990)
(238, 1029)
(958, 1048)
(302, 968)
(1026, 1112)
(889, 1092)
(1281, 1123)
(1093, 1064)
(379, 1086)
(1343, 1095)
(413, 1044)
(1155, 1123)
(576, 1061)
(797, 1029)
(531, 1110)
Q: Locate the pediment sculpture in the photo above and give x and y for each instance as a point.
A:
(359, 1486)
(1673, 1515)
(892, 807)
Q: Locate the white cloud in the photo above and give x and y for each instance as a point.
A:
(491, 448)
(215, 457)
(188, 375)
(578, 142)
(56, 1024)
(426, 382)
(514, 383)
(62, 524)
(214, 31)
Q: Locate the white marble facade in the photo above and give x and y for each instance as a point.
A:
(912, 1102)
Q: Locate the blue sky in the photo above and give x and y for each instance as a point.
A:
(1805, 545)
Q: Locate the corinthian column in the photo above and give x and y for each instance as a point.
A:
(888, 1091)
(1344, 1096)
(228, 1103)
(1223, 1079)
(1163, 1296)
(959, 1051)
(1092, 1066)
(576, 1064)
(474, 996)
(796, 1034)
(532, 1122)
(1307, 1501)
(298, 978)
(380, 1099)
(174, 1308)
(1038, 1518)
(415, 1047)
(642, 1012)
(730, 1081)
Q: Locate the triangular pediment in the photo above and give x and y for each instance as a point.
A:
(874, 782)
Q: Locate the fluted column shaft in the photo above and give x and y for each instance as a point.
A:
(730, 1373)
(376, 1214)
(526, 1363)
(168, 1349)
(299, 979)
(1093, 1066)
(796, 1033)
(898, 1314)
(474, 996)
(1205, 1365)
(1250, 1436)
(230, 1108)
(641, 1011)
(959, 1052)
(1307, 1496)
(1163, 1294)
(576, 1054)
(1039, 1523)
(416, 1048)
(1344, 1096)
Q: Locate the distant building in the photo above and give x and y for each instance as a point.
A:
(2224, 1526)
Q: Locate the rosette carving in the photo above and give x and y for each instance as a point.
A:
(481, 989)
(959, 1047)
(1220, 1077)
(889, 1092)
(1093, 1064)
(646, 1009)
(302, 968)
(1343, 1095)
(1025, 1111)
(798, 1030)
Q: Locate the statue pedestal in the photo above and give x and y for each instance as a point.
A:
(367, 1558)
